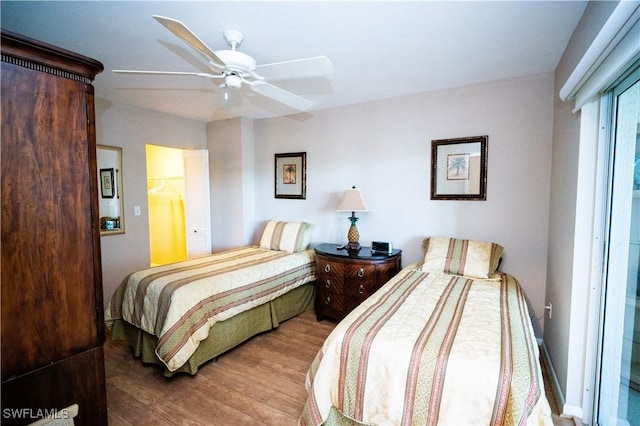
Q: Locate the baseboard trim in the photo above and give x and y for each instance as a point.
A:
(572, 411)
(555, 385)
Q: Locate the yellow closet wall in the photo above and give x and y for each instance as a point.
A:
(165, 185)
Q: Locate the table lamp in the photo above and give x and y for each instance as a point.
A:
(353, 202)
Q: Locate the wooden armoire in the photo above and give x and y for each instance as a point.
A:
(52, 312)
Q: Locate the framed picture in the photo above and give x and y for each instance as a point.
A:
(107, 183)
(291, 175)
(459, 168)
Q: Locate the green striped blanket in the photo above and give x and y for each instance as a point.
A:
(432, 349)
(178, 303)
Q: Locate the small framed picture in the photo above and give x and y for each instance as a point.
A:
(107, 183)
(291, 175)
(459, 168)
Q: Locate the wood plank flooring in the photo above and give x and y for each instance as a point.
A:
(260, 382)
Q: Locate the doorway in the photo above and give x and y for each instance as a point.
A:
(619, 377)
(179, 204)
(165, 195)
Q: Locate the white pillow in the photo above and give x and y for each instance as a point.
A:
(292, 237)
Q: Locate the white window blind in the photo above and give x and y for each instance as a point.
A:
(614, 48)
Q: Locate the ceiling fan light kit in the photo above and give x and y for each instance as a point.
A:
(236, 67)
(232, 81)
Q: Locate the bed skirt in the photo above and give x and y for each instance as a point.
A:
(224, 335)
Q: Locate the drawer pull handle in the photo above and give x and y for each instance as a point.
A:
(328, 301)
(361, 272)
(327, 268)
(361, 289)
(328, 284)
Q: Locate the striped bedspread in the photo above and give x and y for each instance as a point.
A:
(432, 349)
(178, 303)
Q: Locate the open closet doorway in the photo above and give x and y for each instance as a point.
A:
(178, 199)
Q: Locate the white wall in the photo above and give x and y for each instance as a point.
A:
(384, 149)
(131, 128)
(231, 170)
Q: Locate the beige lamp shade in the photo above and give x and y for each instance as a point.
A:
(352, 201)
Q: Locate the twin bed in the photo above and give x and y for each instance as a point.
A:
(446, 341)
(184, 314)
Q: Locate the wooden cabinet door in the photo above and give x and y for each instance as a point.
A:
(50, 251)
(387, 270)
(52, 312)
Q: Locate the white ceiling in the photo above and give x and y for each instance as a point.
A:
(378, 49)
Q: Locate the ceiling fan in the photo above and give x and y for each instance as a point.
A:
(236, 68)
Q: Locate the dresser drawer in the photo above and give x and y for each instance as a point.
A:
(360, 271)
(359, 289)
(331, 304)
(330, 283)
(336, 306)
(325, 267)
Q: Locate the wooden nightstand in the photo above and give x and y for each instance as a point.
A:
(344, 280)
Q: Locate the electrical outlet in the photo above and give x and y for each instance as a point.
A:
(136, 210)
(549, 308)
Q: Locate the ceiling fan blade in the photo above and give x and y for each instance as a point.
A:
(197, 74)
(299, 68)
(184, 33)
(281, 95)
